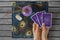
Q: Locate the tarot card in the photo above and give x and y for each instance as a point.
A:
(47, 19)
(35, 19)
(39, 18)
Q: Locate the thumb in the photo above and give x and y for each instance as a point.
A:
(43, 26)
(34, 26)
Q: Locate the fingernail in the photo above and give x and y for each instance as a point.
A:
(43, 23)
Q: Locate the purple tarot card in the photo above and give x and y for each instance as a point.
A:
(47, 19)
(34, 18)
(39, 16)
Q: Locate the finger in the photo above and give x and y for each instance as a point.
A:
(37, 28)
(47, 30)
(34, 26)
(43, 26)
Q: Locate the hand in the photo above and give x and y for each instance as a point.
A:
(45, 31)
(40, 33)
(36, 32)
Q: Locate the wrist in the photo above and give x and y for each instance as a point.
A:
(44, 38)
(37, 38)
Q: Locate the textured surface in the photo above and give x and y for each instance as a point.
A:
(6, 21)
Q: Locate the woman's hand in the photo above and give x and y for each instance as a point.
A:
(36, 32)
(45, 31)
